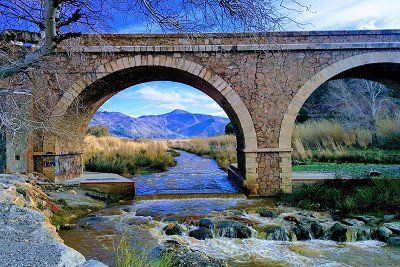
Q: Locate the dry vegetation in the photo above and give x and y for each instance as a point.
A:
(126, 157)
(322, 140)
(329, 140)
(221, 148)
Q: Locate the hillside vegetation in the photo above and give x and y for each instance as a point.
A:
(126, 157)
(220, 148)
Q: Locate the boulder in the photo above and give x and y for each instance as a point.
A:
(27, 239)
(201, 233)
(363, 234)
(206, 223)
(173, 229)
(393, 226)
(338, 232)
(352, 222)
(267, 213)
(368, 220)
(389, 217)
(233, 229)
(317, 230)
(383, 233)
(394, 240)
(276, 233)
(301, 232)
(291, 218)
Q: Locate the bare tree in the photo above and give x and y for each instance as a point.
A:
(39, 26)
(359, 103)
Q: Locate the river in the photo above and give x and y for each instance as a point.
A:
(144, 220)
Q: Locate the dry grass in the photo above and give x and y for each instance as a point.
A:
(124, 156)
(221, 148)
(330, 140)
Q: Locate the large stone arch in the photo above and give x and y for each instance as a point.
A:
(335, 70)
(221, 92)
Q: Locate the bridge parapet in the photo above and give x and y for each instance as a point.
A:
(302, 37)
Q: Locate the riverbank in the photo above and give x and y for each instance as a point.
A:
(27, 235)
(196, 231)
(239, 232)
(229, 231)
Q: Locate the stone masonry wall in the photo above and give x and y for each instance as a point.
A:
(265, 71)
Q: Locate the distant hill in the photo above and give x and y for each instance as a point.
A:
(176, 124)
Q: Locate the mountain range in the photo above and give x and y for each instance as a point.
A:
(175, 124)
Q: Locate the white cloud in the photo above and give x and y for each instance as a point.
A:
(212, 106)
(173, 106)
(220, 114)
(368, 25)
(161, 95)
(351, 14)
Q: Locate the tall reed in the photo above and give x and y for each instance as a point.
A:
(126, 157)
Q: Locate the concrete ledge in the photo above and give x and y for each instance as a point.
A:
(108, 183)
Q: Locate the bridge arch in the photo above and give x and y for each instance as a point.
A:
(379, 66)
(97, 86)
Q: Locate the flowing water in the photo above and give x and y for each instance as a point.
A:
(143, 221)
(192, 174)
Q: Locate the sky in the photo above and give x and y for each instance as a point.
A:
(162, 97)
(154, 98)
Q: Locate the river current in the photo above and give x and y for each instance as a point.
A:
(144, 220)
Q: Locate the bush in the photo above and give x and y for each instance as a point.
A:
(126, 157)
(229, 129)
(349, 196)
(128, 255)
(99, 131)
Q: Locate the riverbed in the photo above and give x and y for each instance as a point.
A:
(144, 222)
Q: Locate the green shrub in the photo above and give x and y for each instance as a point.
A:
(99, 131)
(349, 196)
(128, 255)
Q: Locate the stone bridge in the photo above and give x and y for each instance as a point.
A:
(261, 81)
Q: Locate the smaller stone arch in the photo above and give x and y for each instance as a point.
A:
(323, 76)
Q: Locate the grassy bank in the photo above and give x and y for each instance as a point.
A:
(350, 170)
(220, 148)
(330, 141)
(126, 157)
(349, 196)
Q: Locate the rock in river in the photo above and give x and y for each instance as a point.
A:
(276, 232)
(267, 213)
(338, 232)
(201, 233)
(301, 232)
(206, 223)
(232, 229)
(383, 233)
(317, 230)
(173, 229)
(393, 226)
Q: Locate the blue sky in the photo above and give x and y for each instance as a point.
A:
(163, 97)
(155, 98)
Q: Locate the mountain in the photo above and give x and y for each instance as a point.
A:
(175, 124)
